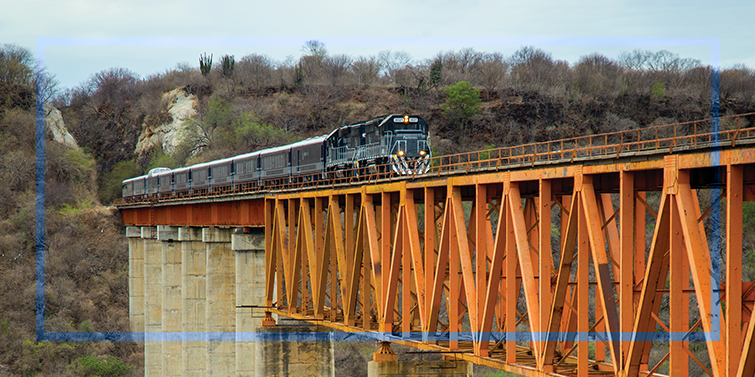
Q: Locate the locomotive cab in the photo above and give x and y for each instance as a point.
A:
(395, 142)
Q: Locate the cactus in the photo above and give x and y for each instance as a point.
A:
(205, 64)
(227, 62)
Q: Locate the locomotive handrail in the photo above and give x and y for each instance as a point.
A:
(651, 140)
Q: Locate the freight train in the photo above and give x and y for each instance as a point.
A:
(394, 144)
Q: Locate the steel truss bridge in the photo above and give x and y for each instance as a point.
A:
(602, 255)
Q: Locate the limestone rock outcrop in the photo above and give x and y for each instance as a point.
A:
(56, 128)
(181, 106)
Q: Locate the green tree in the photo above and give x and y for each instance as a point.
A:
(111, 182)
(462, 104)
(436, 70)
(226, 131)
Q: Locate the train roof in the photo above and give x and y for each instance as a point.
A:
(222, 161)
(134, 179)
(308, 141)
(380, 120)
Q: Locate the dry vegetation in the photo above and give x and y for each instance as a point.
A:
(257, 102)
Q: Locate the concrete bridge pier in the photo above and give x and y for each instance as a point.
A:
(249, 247)
(285, 357)
(172, 305)
(193, 300)
(221, 301)
(135, 278)
(385, 363)
(153, 300)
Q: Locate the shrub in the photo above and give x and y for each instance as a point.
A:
(99, 366)
(462, 104)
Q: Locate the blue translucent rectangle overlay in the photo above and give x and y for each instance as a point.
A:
(715, 213)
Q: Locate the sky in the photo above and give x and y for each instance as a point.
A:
(78, 38)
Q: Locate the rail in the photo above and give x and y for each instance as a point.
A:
(668, 138)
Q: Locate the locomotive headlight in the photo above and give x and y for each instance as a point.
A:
(401, 153)
(406, 119)
(422, 152)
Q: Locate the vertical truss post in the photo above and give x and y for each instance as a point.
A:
(402, 236)
(414, 251)
(385, 239)
(429, 251)
(270, 257)
(627, 254)
(454, 286)
(512, 293)
(323, 261)
(583, 290)
(734, 193)
(604, 288)
(481, 252)
(700, 261)
(545, 260)
(280, 242)
(678, 307)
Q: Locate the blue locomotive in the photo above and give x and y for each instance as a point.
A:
(393, 144)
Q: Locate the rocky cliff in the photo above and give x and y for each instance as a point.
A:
(180, 106)
(56, 128)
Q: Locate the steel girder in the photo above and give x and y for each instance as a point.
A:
(538, 271)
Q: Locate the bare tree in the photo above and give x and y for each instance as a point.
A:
(533, 68)
(392, 62)
(365, 69)
(336, 67)
(314, 47)
(255, 71)
(16, 65)
(597, 75)
(490, 71)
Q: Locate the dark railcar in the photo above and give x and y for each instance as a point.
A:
(152, 180)
(139, 185)
(222, 172)
(245, 167)
(307, 156)
(275, 162)
(182, 179)
(200, 176)
(128, 187)
(165, 182)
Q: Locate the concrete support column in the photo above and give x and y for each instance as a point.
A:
(135, 278)
(250, 291)
(294, 358)
(171, 310)
(438, 368)
(385, 363)
(193, 297)
(153, 300)
(221, 301)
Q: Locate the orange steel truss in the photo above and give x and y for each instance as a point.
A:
(556, 255)
(588, 256)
